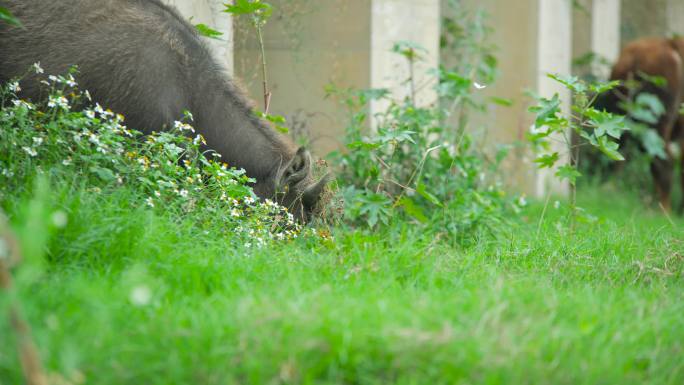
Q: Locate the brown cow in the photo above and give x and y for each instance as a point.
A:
(663, 58)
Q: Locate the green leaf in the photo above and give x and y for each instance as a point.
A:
(657, 81)
(277, 120)
(502, 101)
(653, 143)
(599, 88)
(548, 160)
(105, 174)
(573, 83)
(408, 49)
(546, 110)
(681, 109)
(413, 209)
(7, 17)
(606, 123)
(207, 31)
(246, 7)
(609, 148)
(652, 102)
(376, 207)
(422, 190)
(568, 172)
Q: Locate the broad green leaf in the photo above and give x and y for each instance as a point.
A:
(599, 88)
(413, 209)
(422, 190)
(7, 17)
(256, 8)
(653, 143)
(546, 110)
(376, 207)
(548, 160)
(207, 31)
(606, 123)
(610, 148)
(573, 83)
(568, 172)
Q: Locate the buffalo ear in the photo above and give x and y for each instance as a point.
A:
(298, 168)
(312, 194)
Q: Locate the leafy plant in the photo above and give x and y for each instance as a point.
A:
(414, 164)
(602, 130)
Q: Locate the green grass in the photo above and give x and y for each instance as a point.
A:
(537, 305)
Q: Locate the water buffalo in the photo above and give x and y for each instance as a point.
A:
(142, 59)
(663, 58)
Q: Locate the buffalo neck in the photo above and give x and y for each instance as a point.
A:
(229, 124)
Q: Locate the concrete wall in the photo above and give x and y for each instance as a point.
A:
(309, 45)
(209, 12)
(313, 43)
(393, 21)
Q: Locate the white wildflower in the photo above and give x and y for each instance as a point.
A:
(37, 68)
(522, 201)
(140, 295)
(249, 200)
(556, 205)
(199, 139)
(149, 201)
(30, 151)
(183, 126)
(53, 78)
(66, 161)
(22, 103)
(157, 193)
(59, 219)
(59, 101)
(183, 193)
(479, 86)
(37, 140)
(14, 87)
(70, 81)
(235, 213)
(90, 114)
(87, 95)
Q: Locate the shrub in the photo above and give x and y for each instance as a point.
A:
(88, 148)
(417, 166)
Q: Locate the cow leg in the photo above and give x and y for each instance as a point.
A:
(681, 168)
(662, 171)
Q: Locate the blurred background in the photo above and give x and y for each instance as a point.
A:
(507, 46)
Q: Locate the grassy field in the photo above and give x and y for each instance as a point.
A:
(130, 297)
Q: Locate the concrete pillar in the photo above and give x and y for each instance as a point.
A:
(209, 12)
(605, 33)
(554, 55)
(394, 21)
(312, 44)
(675, 17)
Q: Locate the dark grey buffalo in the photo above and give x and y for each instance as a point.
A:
(142, 59)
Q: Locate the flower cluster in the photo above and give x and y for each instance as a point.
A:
(168, 170)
